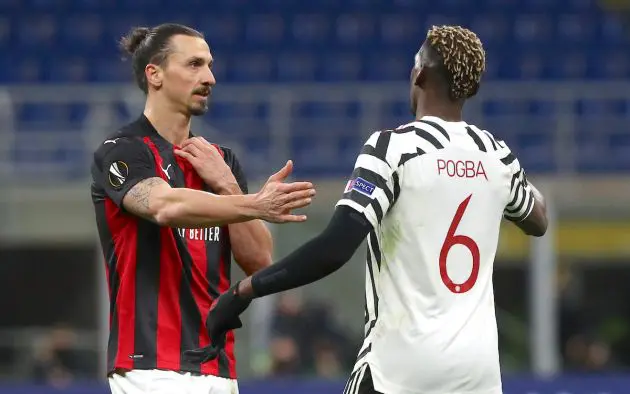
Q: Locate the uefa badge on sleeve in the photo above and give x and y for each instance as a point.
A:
(360, 185)
(118, 173)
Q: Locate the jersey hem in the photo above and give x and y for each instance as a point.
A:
(387, 386)
(166, 366)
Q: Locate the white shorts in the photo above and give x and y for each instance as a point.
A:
(154, 381)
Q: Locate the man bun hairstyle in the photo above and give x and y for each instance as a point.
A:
(133, 39)
(151, 45)
(463, 58)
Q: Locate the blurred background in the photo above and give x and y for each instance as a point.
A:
(309, 81)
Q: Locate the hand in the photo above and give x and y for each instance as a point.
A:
(207, 160)
(276, 199)
(223, 317)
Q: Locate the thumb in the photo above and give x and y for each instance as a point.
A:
(283, 173)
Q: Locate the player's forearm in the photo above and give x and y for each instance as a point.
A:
(315, 260)
(251, 241)
(252, 245)
(190, 208)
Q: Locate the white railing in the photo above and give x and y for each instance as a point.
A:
(268, 123)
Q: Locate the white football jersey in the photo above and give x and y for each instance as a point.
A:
(435, 192)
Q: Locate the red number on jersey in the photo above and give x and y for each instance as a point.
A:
(452, 240)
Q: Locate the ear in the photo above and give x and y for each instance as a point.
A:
(154, 75)
(421, 76)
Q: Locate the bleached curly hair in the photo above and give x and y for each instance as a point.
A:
(463, 57)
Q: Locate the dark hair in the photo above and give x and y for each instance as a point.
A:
(151, 45)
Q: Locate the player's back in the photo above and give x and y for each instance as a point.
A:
(434, 328)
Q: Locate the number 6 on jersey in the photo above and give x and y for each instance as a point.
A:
(452, 240)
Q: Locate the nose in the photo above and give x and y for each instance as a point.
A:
(208, 78)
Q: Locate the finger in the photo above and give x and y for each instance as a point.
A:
(299, 195)
(194, 150)
(195, 142)
(297, 204)
(283, 173)
(184, 154)
(291, 218)
(296, 186)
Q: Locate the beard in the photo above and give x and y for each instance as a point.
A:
(198, 109)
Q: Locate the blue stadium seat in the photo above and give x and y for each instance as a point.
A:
(264, 29)
(356, 30)
(252, 67)
(340, 67)
(80, 32)
(293, 67)
(401, 30)
(67, 70)
(619, 146)
(221, 31)
(310, 29)
(533, 28)
(110, 69)
(36, 32)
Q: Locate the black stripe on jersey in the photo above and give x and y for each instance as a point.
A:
(406, 129)
(422, 134)
(396, 187)
(507, 160)
(376, 179)
(374, 293)
(476, 138)
(492, 141)
(521, 203)
(515, 178)
(382, 143)
(357, 197)
(529, 206)
(350, 382)
(364, 352)
(405, 157)
(369, 330)
(147, 292)
(376, 205)
(375, 248)
(191, 317)
(226, 253)
(429, 138)
(437, 127)
(112, 344)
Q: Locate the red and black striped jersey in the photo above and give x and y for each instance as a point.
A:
(161, 280)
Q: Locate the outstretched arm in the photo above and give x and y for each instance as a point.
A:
(316, 259)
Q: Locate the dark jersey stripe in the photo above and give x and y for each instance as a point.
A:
(382, 143)
(167, 339)
(507, 160)
(196, 242)
(477, 139)
(226, 359)
(375, 248)
(149, 281)
(106, 209)
(370, 267)
(492, 141)
(125, 248)
(437, 127)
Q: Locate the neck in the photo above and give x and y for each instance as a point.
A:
(441, 108)
(173, 126)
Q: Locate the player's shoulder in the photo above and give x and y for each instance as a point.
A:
(128, 138)
(495, 146)
(496, 142)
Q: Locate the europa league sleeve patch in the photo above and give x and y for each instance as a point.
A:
(118, 173)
